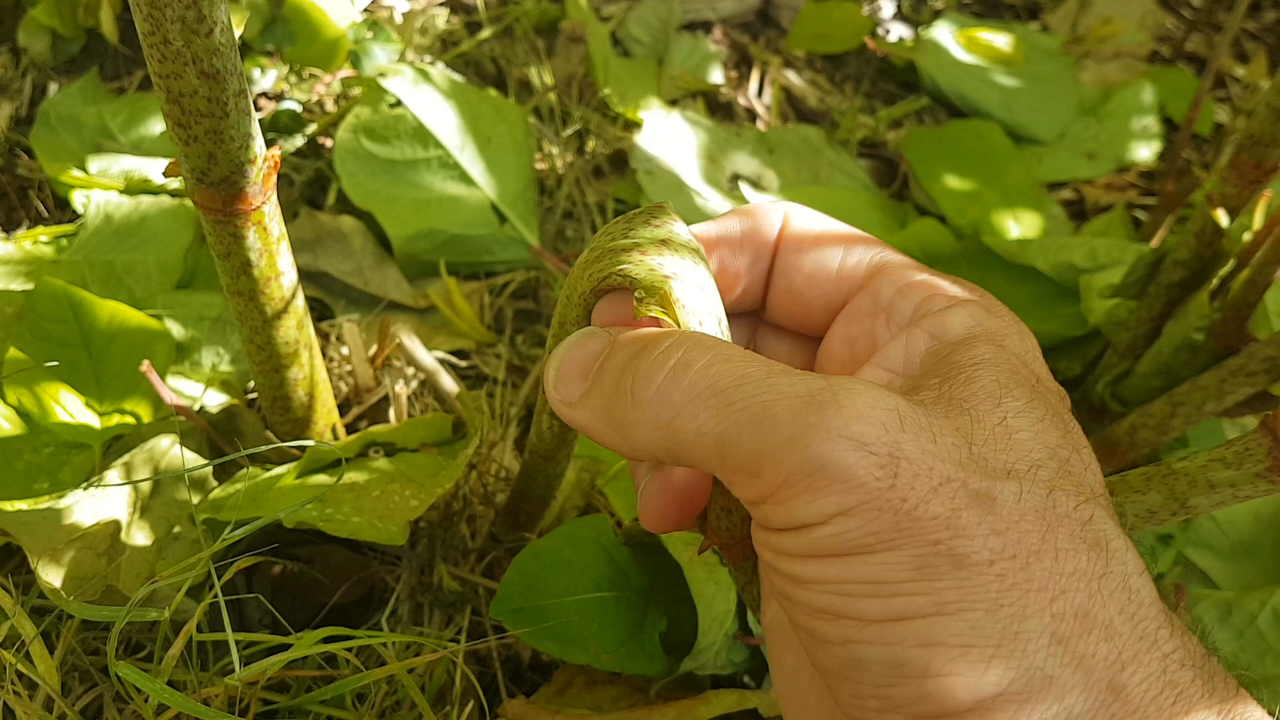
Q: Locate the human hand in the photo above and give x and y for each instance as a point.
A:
(934, 535)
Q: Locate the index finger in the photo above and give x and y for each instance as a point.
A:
(794, 266)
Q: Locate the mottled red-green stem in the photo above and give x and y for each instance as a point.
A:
(1190, 257)
(1232, 381)
(1245, 293)
(194, 63)
(1242, 469)
(649, 251)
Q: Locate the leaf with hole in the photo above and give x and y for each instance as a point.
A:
(370, 486)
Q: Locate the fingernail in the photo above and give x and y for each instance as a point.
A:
(573, 362)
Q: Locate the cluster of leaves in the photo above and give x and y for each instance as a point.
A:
(445, 171)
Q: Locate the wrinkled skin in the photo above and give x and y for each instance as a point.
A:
(934, 534)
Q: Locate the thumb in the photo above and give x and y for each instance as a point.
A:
(688, 399)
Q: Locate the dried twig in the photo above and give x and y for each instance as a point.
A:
(445, 385)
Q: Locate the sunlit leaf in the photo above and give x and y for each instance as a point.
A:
(95, 346)
(1050, 310)
(43, 46)
(718, 651)
(577, 593)
(134, 173)
(829, 27)
(1007, 72)
(1126, 130)
(344, 247)
(209, 349)
(103, 541)
(626, 83)
(39, 462)
(22, 263)
(975, 175)
(700, 165)
(693, 64)
(392, 166)
(392, 474)
(129, 248)
(318, 32)
(85, 118)
(44, 398)
(487, 135)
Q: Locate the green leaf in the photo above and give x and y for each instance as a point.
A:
(105, 540)
(488, 136)
(11, 424)
(829, 27)
(627, 83)
(318, 32)
(1050, 310)
(374, 46)
(1238, 547)
(975, 175)
(718, 651)
(613, 476)
(39, 394)
(344, 247)
(700, 166)
(133, 173)
(1177, 88)
(392, 474)
(85, 118)
(1243, 628)
(209, 349)
(129, 248)
(1126, 130)
(45, 47)
(649, 27)
(693, 64)
(97, 345)
(1007, 72)
(668, 591)
(871, 212)
(578, 594)
(390, 165)
(23, 262)
(38, 462)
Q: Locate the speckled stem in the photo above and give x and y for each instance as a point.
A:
(1242, 469)
(651, 252)
(1234, 380)
(194, 62)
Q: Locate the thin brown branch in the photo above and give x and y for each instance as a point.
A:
(1189, 258)
(1230, 382)
(1173, 162)
(170, 398)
